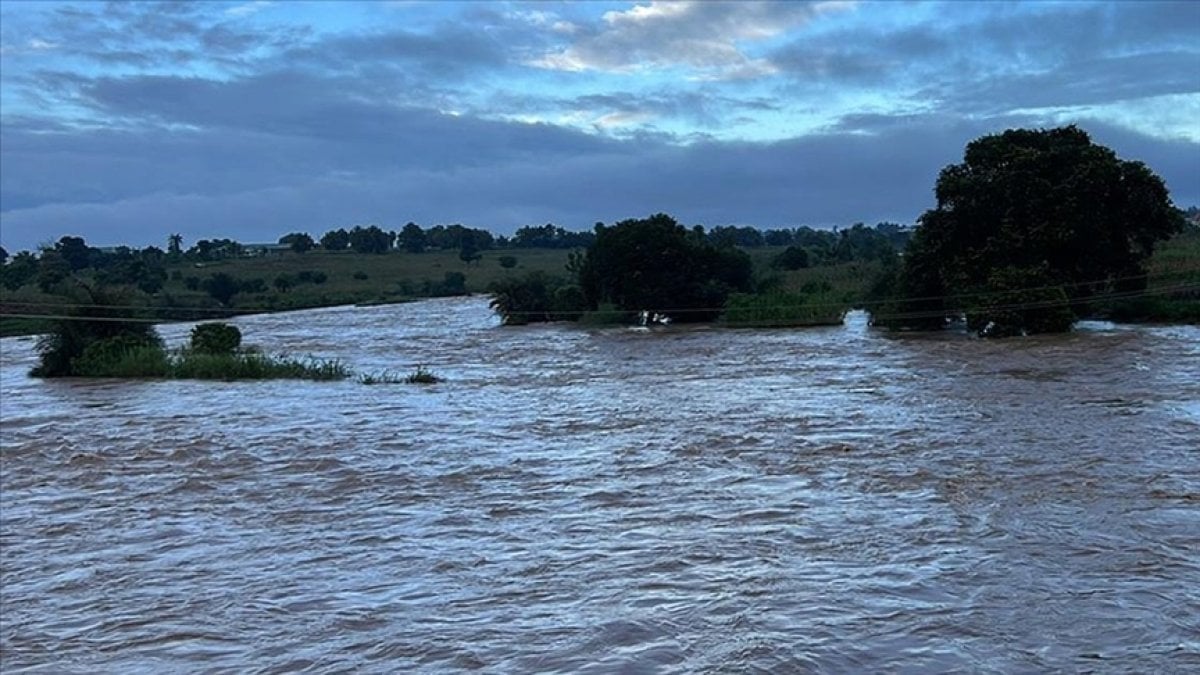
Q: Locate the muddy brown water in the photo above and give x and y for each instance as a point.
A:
(678, 501)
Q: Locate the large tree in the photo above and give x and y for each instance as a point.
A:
(656, 265)
(1027, 228)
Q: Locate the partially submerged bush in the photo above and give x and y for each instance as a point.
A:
(216, 338)
(122, 356)
(536, 297)
(103, 320)
(418, 376)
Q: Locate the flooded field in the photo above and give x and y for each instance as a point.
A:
(689, 500)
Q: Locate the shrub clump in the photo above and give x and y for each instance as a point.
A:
(418, 376)
(536, 297)
(100, 331)
(95, 346)
(215, 338)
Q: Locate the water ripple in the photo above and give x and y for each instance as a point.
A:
(688, 500)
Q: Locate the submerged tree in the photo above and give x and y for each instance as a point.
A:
(655, 264)
(1027, 228)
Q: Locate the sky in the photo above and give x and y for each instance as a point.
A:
(126, 122)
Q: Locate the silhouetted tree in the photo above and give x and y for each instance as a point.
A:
(1045, 210)
(370, 240)
(411, 238)
(654, 264)
(335, 240)
(300, 242)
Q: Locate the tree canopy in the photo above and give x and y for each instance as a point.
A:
(657, 265)
(1030, 225)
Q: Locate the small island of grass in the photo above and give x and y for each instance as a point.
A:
(91, 343)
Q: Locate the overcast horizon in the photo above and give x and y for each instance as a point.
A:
(125, 122)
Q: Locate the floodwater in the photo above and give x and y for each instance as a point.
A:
(570, 500)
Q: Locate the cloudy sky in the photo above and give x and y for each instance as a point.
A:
(128, 121)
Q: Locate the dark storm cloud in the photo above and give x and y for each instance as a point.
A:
(1104, 80)
(993, 59)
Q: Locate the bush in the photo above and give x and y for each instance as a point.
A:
(215, 338)
(508, 262)
(361, 276)
(101, 316)
(536, 297)
(122, 356)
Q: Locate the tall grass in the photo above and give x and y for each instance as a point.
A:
(244, 366)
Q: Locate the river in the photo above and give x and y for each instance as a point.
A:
(611, 500)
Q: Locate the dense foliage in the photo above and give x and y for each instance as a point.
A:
(102, 325)
(1027, 229)
(215, 338)
(536, 297)
(656, 265)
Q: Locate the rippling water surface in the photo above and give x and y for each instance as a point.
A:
(690, 500)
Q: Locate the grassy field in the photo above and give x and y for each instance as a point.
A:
(350, 278)
(359, 278)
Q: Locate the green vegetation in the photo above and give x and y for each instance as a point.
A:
(536, 297)
(251, 366)
(1172, 292)
(102, 326)
(658, 266)
(775, 309)
(418, 376)
(1033, 229)
(94, 342)
(215, 338)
